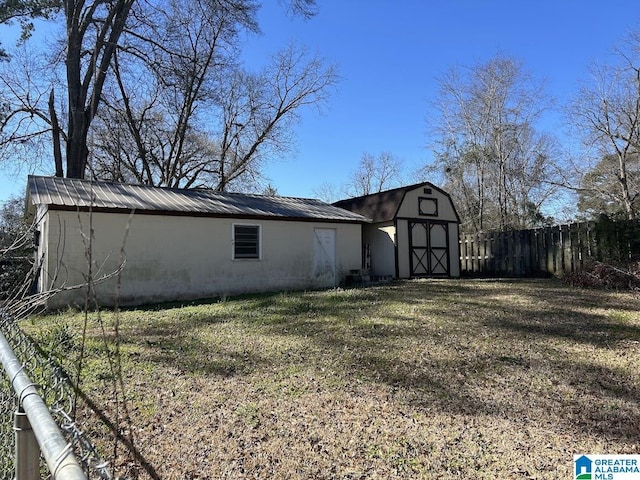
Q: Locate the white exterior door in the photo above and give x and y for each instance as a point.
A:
(324, 259)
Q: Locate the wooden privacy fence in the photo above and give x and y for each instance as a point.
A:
(553, 250)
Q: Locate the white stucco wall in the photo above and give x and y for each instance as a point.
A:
(181, 258)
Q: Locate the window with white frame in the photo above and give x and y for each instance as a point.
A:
(246, 241)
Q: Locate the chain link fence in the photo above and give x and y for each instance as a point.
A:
(58, 394)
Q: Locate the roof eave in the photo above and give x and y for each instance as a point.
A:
(178, 213)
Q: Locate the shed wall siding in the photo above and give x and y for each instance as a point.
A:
(381, 240)
(454, 248)
(181, 258)
(402, 235)
(410, 210)
(410, 205)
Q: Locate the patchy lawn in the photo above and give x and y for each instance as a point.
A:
(418, 379)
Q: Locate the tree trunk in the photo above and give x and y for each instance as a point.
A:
(77, 152)
(55, 133)
(624, 187)
(85, 87)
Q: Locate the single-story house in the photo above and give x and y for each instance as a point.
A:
(173, 244)
(413, 232)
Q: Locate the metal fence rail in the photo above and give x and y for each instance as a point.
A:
(41, 388)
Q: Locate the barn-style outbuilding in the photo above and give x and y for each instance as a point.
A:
(173, 244)
(413, 232)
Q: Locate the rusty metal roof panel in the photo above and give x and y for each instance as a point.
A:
(84, 194)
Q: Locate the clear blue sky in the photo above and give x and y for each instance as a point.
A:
(389, 54)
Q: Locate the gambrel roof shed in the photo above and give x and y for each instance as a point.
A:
(414, 231)
(384, 206)
(169, 244)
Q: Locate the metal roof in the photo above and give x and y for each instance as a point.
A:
(73, 194)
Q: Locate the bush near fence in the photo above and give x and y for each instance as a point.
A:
(557, 250)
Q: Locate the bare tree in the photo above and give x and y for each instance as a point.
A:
(26, 100)
(494, 161)
(306, 8)
(208, 130)
(93, 33)
(259, 111)
(163, 94)
(328, 192)
(374, 174)
(606, 112)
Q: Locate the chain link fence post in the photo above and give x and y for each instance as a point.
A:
(36, 383)
(58, 454)
(27, 451)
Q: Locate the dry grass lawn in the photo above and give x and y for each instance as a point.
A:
(418, 379)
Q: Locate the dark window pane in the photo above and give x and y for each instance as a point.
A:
(246, 241)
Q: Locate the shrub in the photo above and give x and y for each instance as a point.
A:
(607, 275)
(16, 249)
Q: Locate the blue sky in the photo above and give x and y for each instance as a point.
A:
(389, 54)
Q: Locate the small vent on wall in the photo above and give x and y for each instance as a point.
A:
(427, 191)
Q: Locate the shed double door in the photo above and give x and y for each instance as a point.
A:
(429, 248)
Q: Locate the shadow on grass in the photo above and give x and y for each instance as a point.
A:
(193, 356)
(486, 348)
(481, 328)
(603, 401)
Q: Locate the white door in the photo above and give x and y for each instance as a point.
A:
(324, 259)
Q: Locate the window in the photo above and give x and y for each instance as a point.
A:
(246, 241)
(428, 206)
